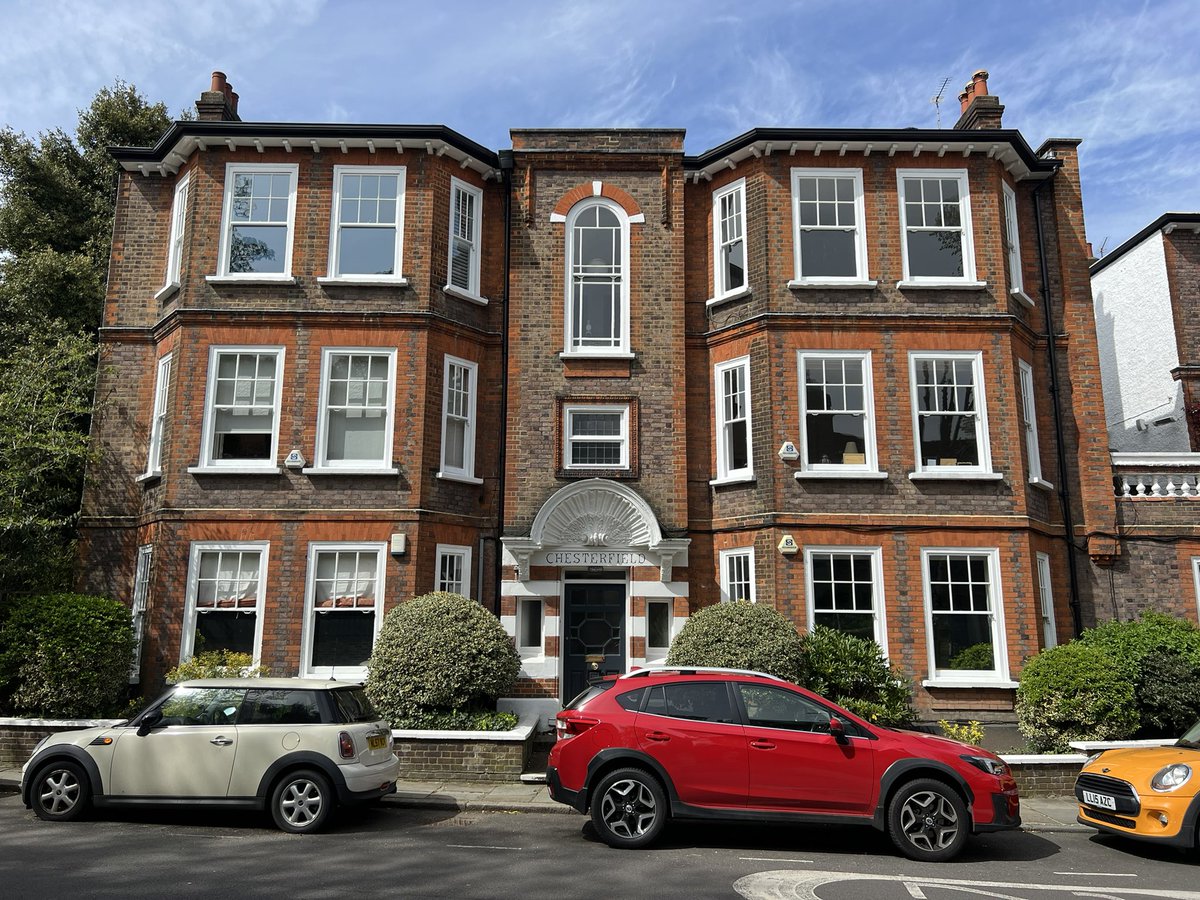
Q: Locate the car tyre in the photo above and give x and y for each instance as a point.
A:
(629, 808)
(60, 792)
(928, 820)
(302, 802)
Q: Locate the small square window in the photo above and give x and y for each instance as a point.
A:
(596, 437)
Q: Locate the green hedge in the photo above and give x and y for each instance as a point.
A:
(852, 672)
(739, 636)
(439, 653)
(65, 656)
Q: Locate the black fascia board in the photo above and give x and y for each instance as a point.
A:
(931, 136)
(1192, 218)
(300, 131)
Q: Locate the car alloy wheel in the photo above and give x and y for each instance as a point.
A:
(629, 809)
(60, 792)
(301, 802)
(928, 821)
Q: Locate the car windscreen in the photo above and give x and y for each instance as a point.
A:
(589, 693)
(353, 706)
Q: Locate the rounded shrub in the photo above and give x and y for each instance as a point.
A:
(1074, 692)
(439, 652)
(852, 672)
(739, 636)
(65, 656)
(1160, 656)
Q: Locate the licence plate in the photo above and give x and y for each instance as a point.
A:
(376, 741)
(1103, 801)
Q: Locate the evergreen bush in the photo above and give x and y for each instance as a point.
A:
(217, 664)
(439, 653)
(65, 656)
(852, 672)
(1075, 692)
(739, 635)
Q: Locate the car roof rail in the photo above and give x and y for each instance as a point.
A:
(691, 670)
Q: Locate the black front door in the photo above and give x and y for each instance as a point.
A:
(594, 636)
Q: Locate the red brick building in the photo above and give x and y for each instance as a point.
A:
(597, 383)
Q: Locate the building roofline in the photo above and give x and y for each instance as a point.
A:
(1166, 222)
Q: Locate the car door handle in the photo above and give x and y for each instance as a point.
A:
(657, 736)
(762, 745)
(221, 741)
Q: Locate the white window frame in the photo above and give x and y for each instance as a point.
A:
(463, 555)
(724, 557)
(335, 227)
(1029, 424)
(475, 242)
(725, 473)
(621, 348)
(355, 467)
(870, 451)
(981, 423)
(1196, 581)
(138, 607)
(232, 170)
(878, 608)
(569, 410)
(860, 277)
(344, 673)
(968, 278)
(1012, 245)
(721, 290)
(653, 652)
(188, 637)
(524, 607)
(968, 677)
(175, 239)
(240, 466)
(467, 471)
(158, 417)
(1046, 601)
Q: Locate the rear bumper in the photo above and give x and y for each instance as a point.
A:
(577, 800)
(366, 783)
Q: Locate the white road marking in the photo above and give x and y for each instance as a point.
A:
(1100, 874)
(790, 884)
(480, 847)
(772, 859)
(915, 891)
(1096, 896)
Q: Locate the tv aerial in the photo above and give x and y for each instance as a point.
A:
(936, 100)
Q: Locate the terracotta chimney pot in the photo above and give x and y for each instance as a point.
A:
(218, 81)
(979, 79)
(963, 99)
(233, 98)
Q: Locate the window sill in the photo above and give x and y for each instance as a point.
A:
(250, 279)
(464, 295)
(612, 354)
(825, 285)
(956, 476)
(1041, 483)
(740, 479)
(234, 470)
(167, 291)
(349, 470)
(465, 479)
(848, 476)
(970, 683)
(933, 285)
(149, 477)
(363, 282)
(727, 298)
(1022, 296)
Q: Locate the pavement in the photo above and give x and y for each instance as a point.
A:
(1045, 814)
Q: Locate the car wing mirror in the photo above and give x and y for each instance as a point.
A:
(838, 730)
(148, 721)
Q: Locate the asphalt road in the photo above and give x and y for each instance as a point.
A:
(406, 852)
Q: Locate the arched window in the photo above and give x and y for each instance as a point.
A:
(597, 317)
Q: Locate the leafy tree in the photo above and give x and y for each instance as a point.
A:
(57, 196)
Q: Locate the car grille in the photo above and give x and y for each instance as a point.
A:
(1109, 818)
(1126, 797)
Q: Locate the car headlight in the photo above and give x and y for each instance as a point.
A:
(1095, 756)
(1170, 778)
(987, 764)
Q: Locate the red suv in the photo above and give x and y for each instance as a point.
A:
(697, 743)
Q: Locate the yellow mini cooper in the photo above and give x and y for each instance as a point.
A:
(1147, 793)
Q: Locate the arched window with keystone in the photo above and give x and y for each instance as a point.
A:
(597, 301)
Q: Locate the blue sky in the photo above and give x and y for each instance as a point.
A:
(1119, 75)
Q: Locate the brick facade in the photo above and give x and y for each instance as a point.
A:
(528, 501)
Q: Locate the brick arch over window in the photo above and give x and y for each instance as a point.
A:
(598, 189)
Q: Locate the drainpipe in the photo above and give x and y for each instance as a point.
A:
(1064, 491)
(506, 170)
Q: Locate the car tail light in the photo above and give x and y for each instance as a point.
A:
(345, 745)
(569, 727)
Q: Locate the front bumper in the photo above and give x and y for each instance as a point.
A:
(1006, 812)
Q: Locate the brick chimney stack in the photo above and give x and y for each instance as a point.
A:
(219, 103)
(979, 108)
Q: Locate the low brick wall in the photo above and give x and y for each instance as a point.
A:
(18, 737)
(1045, 776)
(461, 760)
